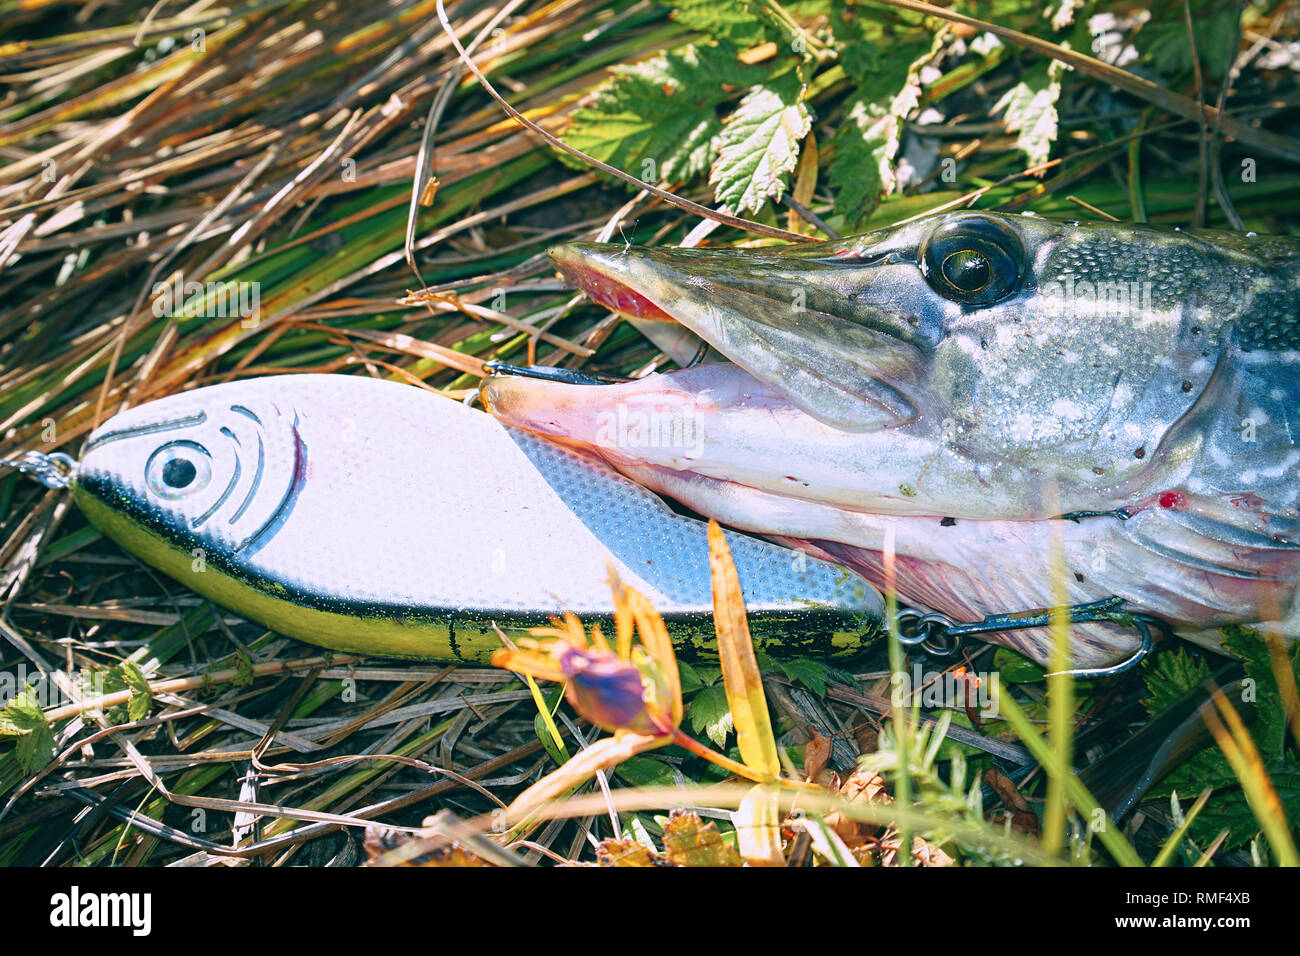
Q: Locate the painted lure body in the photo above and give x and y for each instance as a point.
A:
(955, 386)
(379, 518)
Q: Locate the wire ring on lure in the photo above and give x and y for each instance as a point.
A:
(51, 469)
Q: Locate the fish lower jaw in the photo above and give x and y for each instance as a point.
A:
(970, 569)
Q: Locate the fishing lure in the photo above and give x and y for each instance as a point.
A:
(380, 518)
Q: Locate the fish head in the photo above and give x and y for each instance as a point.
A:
(194, 471)
(982, 356)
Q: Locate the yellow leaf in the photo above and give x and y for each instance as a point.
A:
(622, 616)
(1239, 747)
(740, 674)
(657, 643)
(758, 827)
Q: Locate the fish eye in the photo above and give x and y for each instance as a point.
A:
(974, 260)
(178, 469)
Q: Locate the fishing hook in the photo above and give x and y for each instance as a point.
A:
(940, 636)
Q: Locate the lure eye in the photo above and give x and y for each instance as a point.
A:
(973, 260)
(177, 470)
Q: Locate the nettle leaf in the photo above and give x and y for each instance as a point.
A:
(812, 674)
(24, 720)
(1030, 108)
(733, 20)
(1163, 40)
(760, 145)
(1169, 675)
(658, 120)
(1271, 728)
(862, 168)
(138, 706)
(860, 38)
(711, 715)
(866, 141)
(1208, 767)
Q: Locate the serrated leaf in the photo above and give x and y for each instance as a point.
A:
(138, 706)
(1170, 675)
(1209, 768)
(710, 714)
(1030, 111)
(1271, 727)
(689, 841)
(24, 720)
(733, 20)
(866, 141)
(658, 120)
(1163, 40)
(691, 679)
(812, 674)
(759, 145)
(860, 37)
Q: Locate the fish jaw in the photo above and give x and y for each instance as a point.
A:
(853, 372)
(719, 422)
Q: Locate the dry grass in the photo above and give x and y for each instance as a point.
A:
(280, 143)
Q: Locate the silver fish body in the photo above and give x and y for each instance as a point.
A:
(379, 518)
(951, 387)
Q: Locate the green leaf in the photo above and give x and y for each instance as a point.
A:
(1271, 728)
(24, 720)
(658, 120)
(812, 674)
(733, 20)
(648, 772)
(710, 714)
(759, 145)
(138, 707)
(1015, 668)
(1208, 767)
(1163, 41)
(1030, 108)
(860, 37)
(866, 141)
(548, 742)
(690, 678)
(1171, 674)
(243, 669)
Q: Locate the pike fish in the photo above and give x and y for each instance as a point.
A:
(379, 518)
(977, 393)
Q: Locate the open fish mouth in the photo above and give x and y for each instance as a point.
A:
(791, 319)
(929, 386)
